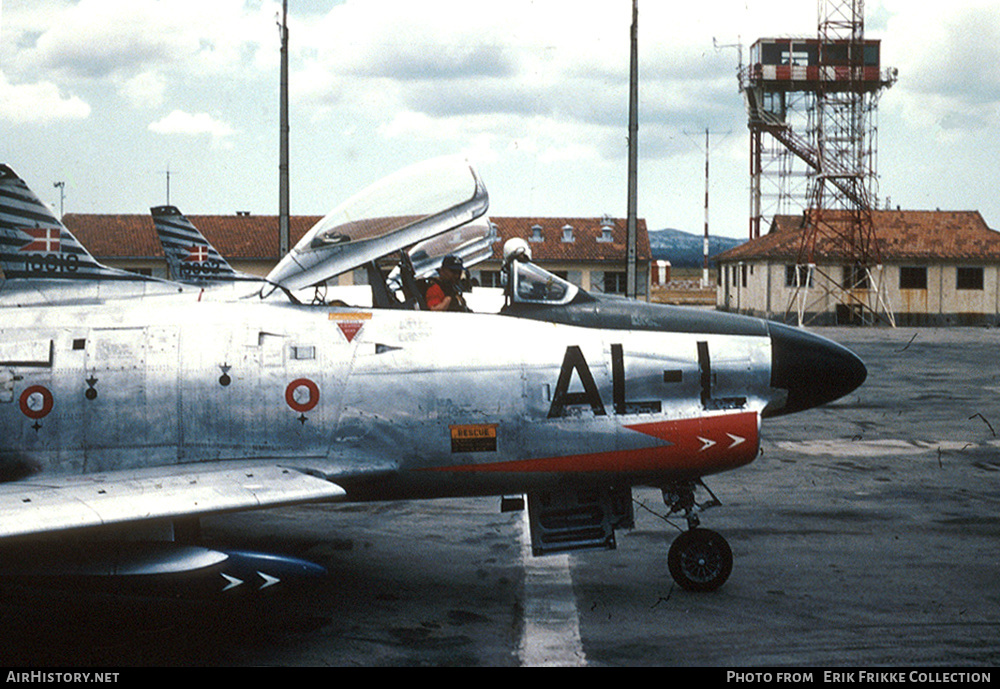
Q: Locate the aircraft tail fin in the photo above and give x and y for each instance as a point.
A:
(35, 245)
(191, 257)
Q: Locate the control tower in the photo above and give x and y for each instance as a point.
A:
(811, 110)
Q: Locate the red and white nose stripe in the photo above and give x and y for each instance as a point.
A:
(701, 445)
(707, 443)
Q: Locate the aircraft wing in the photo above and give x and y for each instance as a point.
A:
(51, 504)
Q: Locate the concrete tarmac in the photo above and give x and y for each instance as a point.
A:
(865, 534)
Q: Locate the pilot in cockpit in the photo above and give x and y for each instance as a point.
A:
(445, 291)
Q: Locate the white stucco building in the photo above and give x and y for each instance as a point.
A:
(937, 268)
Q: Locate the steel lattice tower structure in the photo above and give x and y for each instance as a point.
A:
(812, 105)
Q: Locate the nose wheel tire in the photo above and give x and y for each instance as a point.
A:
(700, 560)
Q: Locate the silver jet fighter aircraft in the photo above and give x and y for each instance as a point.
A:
(122, 421)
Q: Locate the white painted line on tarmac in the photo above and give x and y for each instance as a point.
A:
(551, 634)
(878, 448)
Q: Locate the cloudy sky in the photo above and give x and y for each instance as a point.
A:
(108, 95)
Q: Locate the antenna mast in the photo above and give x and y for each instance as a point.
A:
(631, 281)
(167, 175)
(61, 186)
(283, 205)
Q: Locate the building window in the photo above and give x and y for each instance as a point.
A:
(795, 276)
(567, 233)
(855, 277)
(614, 282)
(489, 278)
(536, 234)
(969, 278)
(913, 277)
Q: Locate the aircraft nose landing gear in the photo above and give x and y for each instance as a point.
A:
(699, 559)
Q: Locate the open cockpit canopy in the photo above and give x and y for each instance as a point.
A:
(404, 209)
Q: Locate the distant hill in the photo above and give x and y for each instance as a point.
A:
(684, 250)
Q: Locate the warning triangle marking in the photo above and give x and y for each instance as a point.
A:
(350, 329)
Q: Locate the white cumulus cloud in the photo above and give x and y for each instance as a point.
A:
(39, 102)
(192, 124)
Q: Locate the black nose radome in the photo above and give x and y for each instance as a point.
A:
(812, 369)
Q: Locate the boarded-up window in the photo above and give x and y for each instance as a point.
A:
(969, 278)
(913, 277)
(798, 275)
(855, 277)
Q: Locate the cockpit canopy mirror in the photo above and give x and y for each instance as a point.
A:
(413, 205)
(472, 242)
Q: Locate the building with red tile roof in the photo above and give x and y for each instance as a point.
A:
(589, 252)
(248, 242)
(937, 268)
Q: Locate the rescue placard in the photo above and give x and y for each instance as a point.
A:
(474, 438)
(350, 316)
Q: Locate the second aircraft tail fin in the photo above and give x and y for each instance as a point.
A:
(191, 257)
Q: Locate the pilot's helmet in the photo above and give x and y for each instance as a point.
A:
(452, 262)
(516, 248)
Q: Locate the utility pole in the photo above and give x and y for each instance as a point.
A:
(283, 205)
(704, 270)
(705, 241)
(631, 279)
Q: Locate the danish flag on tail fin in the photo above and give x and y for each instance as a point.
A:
(46, 240)
(35, 245)
(197, 254)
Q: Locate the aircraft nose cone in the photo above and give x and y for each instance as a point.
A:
(813, 369)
